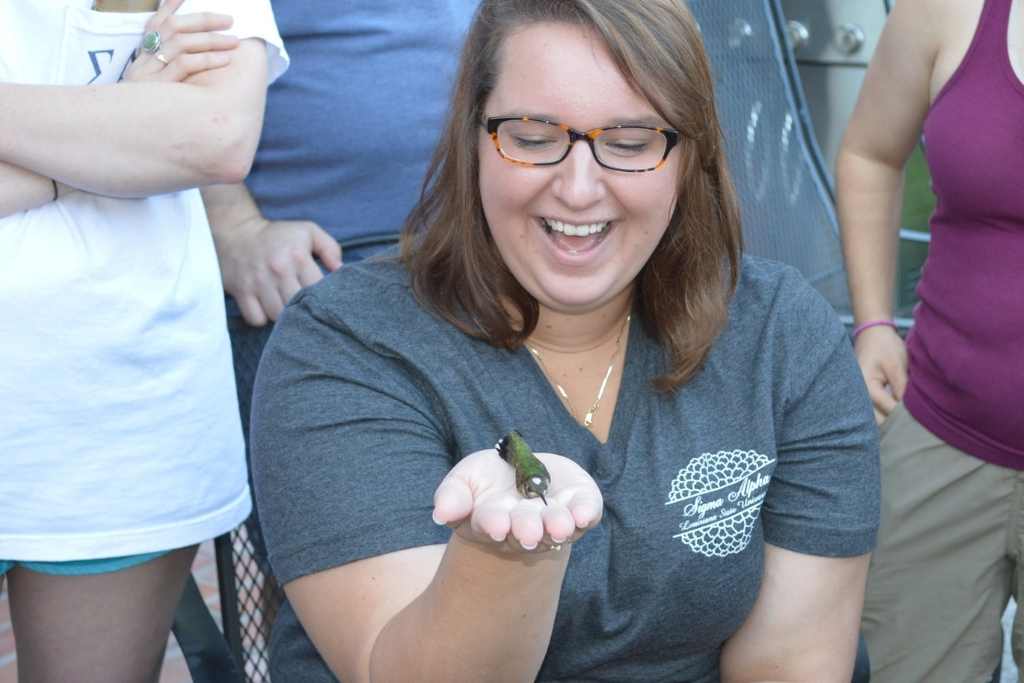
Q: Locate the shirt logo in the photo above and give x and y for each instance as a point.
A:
(719, 497)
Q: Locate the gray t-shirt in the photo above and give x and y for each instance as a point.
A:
(364, 400)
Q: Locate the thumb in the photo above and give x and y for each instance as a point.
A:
(897, 376)
(326, 248)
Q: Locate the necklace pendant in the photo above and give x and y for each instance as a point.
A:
(588, 418)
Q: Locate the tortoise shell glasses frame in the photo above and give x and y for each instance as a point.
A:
(666, 139)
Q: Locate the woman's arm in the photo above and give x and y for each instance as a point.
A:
(446, 613)
(804, 625)
(480, 608)
(883, 131)
(138, 139)
(346, 498)
(21, 190)
(821, 509)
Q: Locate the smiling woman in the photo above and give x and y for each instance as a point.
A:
(525, 77)
(705, 445)
(536, 214)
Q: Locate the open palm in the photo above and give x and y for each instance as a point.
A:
(479, 500)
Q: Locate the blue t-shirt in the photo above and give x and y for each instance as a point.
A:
(351, 127)
(363, 396)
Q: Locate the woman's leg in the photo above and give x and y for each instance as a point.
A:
(1017, 630)
(941, 575)
(3, 578)
(96, 628)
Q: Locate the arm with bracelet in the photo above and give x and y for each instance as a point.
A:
(21, 190)
(884, 128)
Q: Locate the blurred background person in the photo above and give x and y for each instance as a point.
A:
(347, 137)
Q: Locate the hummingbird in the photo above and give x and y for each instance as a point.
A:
(532, 477)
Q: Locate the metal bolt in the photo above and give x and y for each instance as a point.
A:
(739, 32)
(799, 36)
(849, 38)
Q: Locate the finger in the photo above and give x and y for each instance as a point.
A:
(453, 501)
(198, 42)
(270, 301)
(881, 397)
(527, 525)
(310, 273)
(196, 22)
(558, 523)
(326, 249)
(143, 67)
(251, 310)
(166, 10)
(287, 287)
(879, 417)
(586, 509)
(491, 520)
(897, 376)
(187, 65)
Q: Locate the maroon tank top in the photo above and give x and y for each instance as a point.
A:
(966, 348)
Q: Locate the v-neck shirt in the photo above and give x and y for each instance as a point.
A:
(365, 399)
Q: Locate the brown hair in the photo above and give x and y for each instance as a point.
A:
(683, 291)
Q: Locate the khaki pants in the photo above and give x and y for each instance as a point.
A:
(946, 563)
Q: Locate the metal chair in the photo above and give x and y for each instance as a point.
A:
(201, 642)
(787, 203)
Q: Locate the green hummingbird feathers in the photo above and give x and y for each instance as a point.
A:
(532, 477)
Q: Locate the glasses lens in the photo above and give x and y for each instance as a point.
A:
(630, 149)
(534, 142)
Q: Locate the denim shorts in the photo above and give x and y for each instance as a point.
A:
(82, 567)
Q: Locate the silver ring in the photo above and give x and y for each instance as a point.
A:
(160, 58)
(151, 42)
(556, 547)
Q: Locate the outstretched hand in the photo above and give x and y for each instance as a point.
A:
(882, 357)
(479, 500)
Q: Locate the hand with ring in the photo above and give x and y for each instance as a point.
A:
(478, 499)
(175, 47)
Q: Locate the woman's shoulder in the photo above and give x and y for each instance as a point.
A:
(776, 295)
(376, 276)
(938, 13)
(765, 280)
(371, 300)
(936, 26)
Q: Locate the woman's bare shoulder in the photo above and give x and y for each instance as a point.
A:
(950, 21)
(954, 24)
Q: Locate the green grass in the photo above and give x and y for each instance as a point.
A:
(918, 200)
(918, 205)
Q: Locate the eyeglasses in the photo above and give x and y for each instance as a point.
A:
(535, 142)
